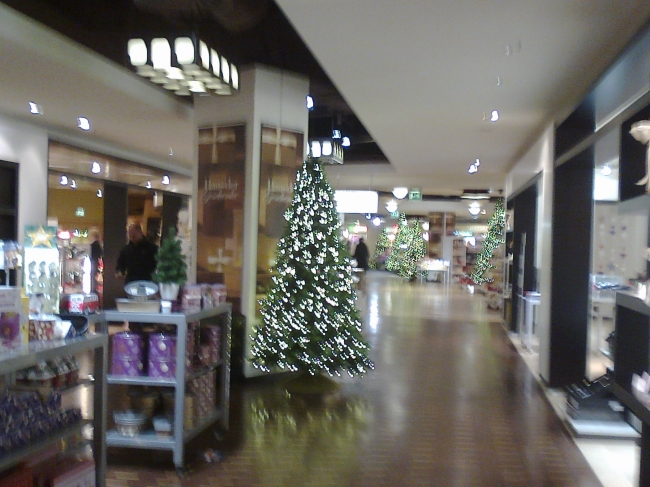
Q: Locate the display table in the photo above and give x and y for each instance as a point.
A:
(434, 271)
(220, 315)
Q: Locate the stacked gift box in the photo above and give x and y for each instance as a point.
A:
(130, 355)
(197, 296)
(210, 344)
(25, 417)
(203, 391)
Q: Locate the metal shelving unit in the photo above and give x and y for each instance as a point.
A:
(176, 443)
(35, 352)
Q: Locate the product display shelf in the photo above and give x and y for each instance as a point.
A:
(632, 356)
(36, 352)
(176, 443)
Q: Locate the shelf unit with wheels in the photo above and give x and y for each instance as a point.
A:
(220, 316)
(28, 356)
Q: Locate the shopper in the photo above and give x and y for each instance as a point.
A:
(137, 260)
(96, 255)
(361, 255)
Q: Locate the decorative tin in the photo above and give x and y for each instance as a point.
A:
(162, 346)
(127, 366)
(128, 344)
(164, 368)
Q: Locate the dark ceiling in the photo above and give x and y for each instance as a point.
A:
(245, 31)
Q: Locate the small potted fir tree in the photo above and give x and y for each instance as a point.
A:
(171, 268)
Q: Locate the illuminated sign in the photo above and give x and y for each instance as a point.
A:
(356, 201)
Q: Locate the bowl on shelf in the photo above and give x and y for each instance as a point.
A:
(163, 426)
(129, 423)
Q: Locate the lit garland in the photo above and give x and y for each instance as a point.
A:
(493, 239)
(310, 322)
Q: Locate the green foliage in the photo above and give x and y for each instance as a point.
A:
(381, 249)
(494, 238)
(408, 249)
(310, 322)
(171, 266)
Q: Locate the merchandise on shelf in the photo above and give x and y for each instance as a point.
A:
(13, 323)
(80, 303)
(128, 354)
(25, 417)
(53, 374)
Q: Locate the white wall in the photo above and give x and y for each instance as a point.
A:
(28, 146)
(539, 159)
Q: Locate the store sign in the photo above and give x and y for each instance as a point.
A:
(415, 194)
(80, 211)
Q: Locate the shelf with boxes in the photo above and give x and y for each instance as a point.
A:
(39, 432)
(174, 370)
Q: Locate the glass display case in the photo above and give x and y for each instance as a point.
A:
(42, 273)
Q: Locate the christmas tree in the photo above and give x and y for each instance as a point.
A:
(408, 249)
(170, 261)
(414, 253)
(400, 244)
(383, 245)
(494, 238)
(310, 322)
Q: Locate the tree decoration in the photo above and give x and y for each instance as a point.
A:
(310, 322)
(408, 249)
(170, 261)
(381, 249)
(414, 253)
(400, 244)
(493, 239)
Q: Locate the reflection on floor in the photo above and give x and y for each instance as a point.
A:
(450, 403)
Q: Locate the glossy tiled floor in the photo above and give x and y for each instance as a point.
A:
(450, 403)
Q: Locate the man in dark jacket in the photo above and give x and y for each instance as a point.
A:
(137, 260)
(361, 255)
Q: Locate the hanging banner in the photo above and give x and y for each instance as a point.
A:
(222, 158)
(281, 156)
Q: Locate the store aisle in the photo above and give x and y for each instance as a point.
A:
(450, 403)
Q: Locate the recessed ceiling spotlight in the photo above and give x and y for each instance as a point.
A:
(336, 134)
(83, 123)
(73, 184)
(472, 168)
(171, 152)
(148, 185)
(165, 179)
(310, 102)
(63, 181)
(498, 80)
(345, 142)
(376, 221)
(99, 193)
(400, 192)
(494, 116)
(477, 163)
(95, 167)
(606, 170)
(35, 108)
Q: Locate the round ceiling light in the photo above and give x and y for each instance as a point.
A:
(400, 192)
(391, 206)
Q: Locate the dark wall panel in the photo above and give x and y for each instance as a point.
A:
(571, 240)
(115, 219)
(525, 215)
(172, 204)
